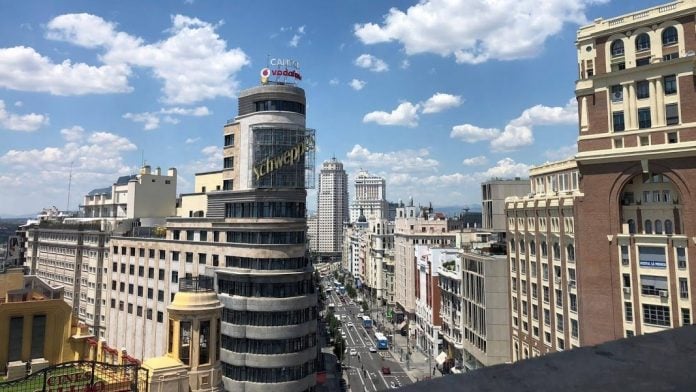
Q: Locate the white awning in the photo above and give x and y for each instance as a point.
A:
(441, 358)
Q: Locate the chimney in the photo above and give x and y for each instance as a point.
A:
(158, 171)
(145, 169)
(171, 172)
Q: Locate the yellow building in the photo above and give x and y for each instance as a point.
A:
(36, 325)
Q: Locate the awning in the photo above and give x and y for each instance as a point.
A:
(441, 358)
(403, 325)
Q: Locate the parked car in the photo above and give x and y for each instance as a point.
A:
(386, 370)
(350, 325)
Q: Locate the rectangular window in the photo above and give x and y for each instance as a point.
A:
(140, 291)
(618, 121)
(672, 113)
(160, 295)
(38, 336)
(670, 56)
(229, 140)
(681, 258)
(175, 277)
(151, 253)
(227, 185)
(670, 84)
(559, 298)
(643, 89)
(546, 294)
(160, 317)
(652, 256)
(686, 316)
(175, 256)
(189, 257)
(161, 254)
(148, 314)
(574, 328)
(139, 311)
(228, 162)
(141, 271)
(683, 288)
(16, 337)
(161, 274)
(652, 285)
(204, 342)
(643, 61)
(628, 311)
(573, 303)
(150, 292)
(151, 273)
(644, 120)
(672, 137)
(559, 322)
(535, 294)
(656, 315)
(616, 93)
(201, 258)
(204, 236)
(547, 317)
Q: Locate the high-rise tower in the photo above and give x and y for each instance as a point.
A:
(332, 207)
(370, 197)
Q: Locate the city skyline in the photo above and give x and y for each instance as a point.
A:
(100, 89)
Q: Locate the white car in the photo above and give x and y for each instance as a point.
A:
(353, 352)
(373, 349)
(350, 325)
(360, 315)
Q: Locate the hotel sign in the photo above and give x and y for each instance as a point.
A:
(288, 157)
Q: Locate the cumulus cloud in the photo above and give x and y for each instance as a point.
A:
(519, 131)
(406, 114)
(441, 101)
(475, 31)
(193, 62)
(507, 168)
(334, 81)
(405, 64)
(475, 161)
(406, 161)
(21, 122)
(295, 40)
(372, 63)
(472, 134)
(151, 120)
(561, 153)
(357, 84)
(192, 140)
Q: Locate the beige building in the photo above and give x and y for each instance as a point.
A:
(414, 226)
(195, 204)
(379, 248)
(637, 163)
(332, 207)
(542, 261)
(370, 197)
(493, 194)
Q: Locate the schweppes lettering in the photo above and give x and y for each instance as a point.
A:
(286, 158)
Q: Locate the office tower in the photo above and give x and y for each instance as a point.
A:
(332, 207)
(370, 197)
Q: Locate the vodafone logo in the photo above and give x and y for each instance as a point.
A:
(265, 73)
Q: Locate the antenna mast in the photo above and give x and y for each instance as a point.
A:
(69, 186)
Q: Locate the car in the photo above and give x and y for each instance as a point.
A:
(373, 349)
(386, 370)
(353, 352)
(343, 334)
(360, 315)
(350, 325)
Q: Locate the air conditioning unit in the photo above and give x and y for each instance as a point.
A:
(627, 290)
(664, 293)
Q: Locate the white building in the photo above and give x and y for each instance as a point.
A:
(370, 198)
(332, 207)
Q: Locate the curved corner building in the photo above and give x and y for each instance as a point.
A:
(269, 320)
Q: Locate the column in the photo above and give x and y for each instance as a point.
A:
(654, 117)
(630, 106)
(660, 102)
(583, 114)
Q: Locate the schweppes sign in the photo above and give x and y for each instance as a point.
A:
(286, 158)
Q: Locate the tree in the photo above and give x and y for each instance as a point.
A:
(339, 348)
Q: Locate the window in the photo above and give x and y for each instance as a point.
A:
(570, 250)
(139, 311)
(643, 89)
(160, 295)
(669, 36)
(628, 311)
(644, 140)
(204, 342)
(546, 294)
(670, 56)
(642, 42)
(16, 337)
(561, 344)
(161, 254)
(201, 258)
(161, 274)
(544, 249)
(130, 308)
(644, 118)
(673, 137)
(672, 116)
(535, 289)
(204, 236)
(130, 288)
(626, 280)
(686, 316)
(160, 317)
(559, 298)
(652, 285)
(547, 317)
(616, 93)
(150, 292)
(670, 84)
(229, 140)
(175, 277)
(683, 288)
(141, 271)
(574, 328)
(228, 162)
(227, 185)
(643, 61)
(618, 66)
(559, 322)
(573, 303)
(658, 226)
(140, 291)
(532, 248)
(189, 257)
(656, 315)
(38, 334)
(149, 314)
(681, 258)
(151, 273)
(617, 48)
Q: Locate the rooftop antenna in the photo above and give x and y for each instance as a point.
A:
(69, 186)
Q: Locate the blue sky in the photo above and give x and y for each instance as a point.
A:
(435, 96)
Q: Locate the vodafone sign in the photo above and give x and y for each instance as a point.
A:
(280, 70)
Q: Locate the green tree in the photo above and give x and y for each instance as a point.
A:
(339, 348)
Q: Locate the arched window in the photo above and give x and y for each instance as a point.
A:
(532, 248)
(648, 226)
(668, 227)
(617, 48)
(631, 226)
(670, 36)
(642, 42)
(570, 249)
(544, 249)
(556, 251)
(658, 226)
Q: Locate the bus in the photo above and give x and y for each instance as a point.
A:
(382, 342)
(367, 321)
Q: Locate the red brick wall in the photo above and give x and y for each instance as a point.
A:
(594, 144)
(657, 138)
(689, 32)
(630, 141)
(598, 113)
(600, 60)
(597, 214)
(687, 98)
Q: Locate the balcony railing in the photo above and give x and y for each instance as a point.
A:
(196, 284)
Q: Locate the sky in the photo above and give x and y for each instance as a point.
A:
(435, 96)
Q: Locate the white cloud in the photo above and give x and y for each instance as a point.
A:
(404, 161)
(519, 131)
(561, 153)
(475, 31)
(152, 119)
(295, 40)
(193, 62)
(19, 104)
(441, 101)
(405, 64)
(192, 140)
(472, 134)
(406, 114)
(357, 84)
(507, 168)
(21, 122)
(475, 161)
(24, 69)
(372, 63)
(73, 134)
(334, 81)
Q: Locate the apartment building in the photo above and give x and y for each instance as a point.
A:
(493, 194)
(637, 167)
(414, 226)
(370, 197)
(380, 248)
(475, 310)
(544, 270)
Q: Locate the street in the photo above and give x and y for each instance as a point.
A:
(364, 369)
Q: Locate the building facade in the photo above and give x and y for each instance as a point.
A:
(493, 194)
(544, 271)
(332, 207)
(370, 198)
(636, 159)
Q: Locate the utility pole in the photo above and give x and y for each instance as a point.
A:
(67, 209)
